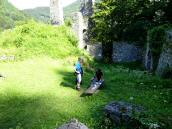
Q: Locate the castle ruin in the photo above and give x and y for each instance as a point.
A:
(82, 25)
(87, 7)
(56, 12)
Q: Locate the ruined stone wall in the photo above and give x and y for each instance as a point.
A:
(81, 23)
(87, 7)
(148, 60)
(78, 28)
(87, 11)
(165, 61)
(56, 12)
(95, 50)
(126, 52)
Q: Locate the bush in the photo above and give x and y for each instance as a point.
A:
(68, 22)
(157, 37)
(33, 39)
(167, 72)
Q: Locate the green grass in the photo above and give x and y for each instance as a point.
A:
(39, 93)
(39, 89)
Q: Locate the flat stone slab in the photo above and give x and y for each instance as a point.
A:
(93, 88)
(122, 112)
(74, 124)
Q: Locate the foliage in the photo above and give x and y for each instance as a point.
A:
(9, 15)
(157, 38)
(128, 19)
(167, 72)
(68, 22)
(106, 124)
(33, 39)
(40, 14)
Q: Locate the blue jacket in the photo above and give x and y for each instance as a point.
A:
(78, 68)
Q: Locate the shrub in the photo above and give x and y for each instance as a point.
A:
(68, 22)
(157, 37)
(167, 72)
(33, 39)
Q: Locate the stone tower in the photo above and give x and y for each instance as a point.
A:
(56, 12)
(78, 27)
(87, 10)
(87, 7)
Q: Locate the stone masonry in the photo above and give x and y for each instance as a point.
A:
(73, 124)
(78, 27)
(165, 61)
(56, 12)
(95, 50)
(125, 52)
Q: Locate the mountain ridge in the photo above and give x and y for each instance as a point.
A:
(68, 10)
(10, 15)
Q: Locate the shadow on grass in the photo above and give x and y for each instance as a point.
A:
(28, 112)
(69, 79)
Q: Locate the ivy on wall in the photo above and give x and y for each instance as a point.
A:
(157, 38)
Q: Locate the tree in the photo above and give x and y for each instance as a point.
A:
(129, 20)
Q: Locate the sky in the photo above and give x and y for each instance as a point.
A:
(27, 4)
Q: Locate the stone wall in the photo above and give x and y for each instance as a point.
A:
(78, 28)
(122, 52)
(125, 52)
(87, 7)
(87, 11)
(148, 60)
(81, 22)
(73, 124)
(165, 61)
(56, 12)
(95, 50)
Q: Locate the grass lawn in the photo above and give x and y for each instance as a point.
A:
(39, 93)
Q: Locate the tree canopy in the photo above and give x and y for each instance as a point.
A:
(130, 20)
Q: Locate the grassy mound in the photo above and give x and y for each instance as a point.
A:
(35, 39)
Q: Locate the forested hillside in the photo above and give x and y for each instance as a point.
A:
(39, 13)
(74, 7)
(43, 13)
(9, 15)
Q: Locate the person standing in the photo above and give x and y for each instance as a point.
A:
(79, 73)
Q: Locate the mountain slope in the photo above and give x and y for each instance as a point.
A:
(9, 15)
(39, 13)
(74, 7)
(43, 13)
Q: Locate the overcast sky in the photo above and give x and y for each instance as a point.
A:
(26, 4)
